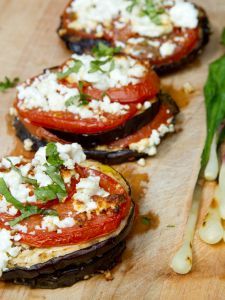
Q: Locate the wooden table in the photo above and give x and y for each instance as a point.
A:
(28, 44)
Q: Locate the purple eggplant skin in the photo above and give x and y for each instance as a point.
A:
(80, 46)
(130, 126)
(75, 260)
(69, 276)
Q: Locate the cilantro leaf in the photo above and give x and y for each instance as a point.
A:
(75, 69)
(7, 83)
(52, 155)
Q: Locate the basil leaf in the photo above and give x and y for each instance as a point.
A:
(8, 83)
(102, 49)
(96, 65)
(8, 196)
(75, 69)
(214, 91)
(24, 178)
(51, 171)
(223, 37)
(34, 211)
(52, 155)
(50, 192)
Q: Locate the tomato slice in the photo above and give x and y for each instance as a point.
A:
(146, 89)
(68, 122)
(86, 229)
(161, 118)
(184, 47)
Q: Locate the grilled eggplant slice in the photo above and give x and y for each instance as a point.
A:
(104, 154)
(63, 265)
(79, 41)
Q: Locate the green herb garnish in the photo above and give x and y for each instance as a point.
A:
(50, 192)
(132, 5)
(102, 50)
(152, 11)
(26, 210)
(8, 84)
(52, 155)
(145, 220)
(75, 69)
(24, 178)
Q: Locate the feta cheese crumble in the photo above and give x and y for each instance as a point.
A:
(52, 223)
(28, 144)
(167, 49)
(7, 250)
(148, 145)
(95, 15)
(85, 190)
(184, 14)
(46, 93)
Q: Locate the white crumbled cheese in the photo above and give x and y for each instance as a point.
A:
(71, 154)
(7, 250)
(141, 162)
(45, 92)
(136, 40)
(27, 144)
(167, 49)
(18, 189)
(126, 71)
(6, 207)
(21, 228)
(188, 88)
(184, 14)
(109, 107)
(6, 163)
(147, 104)
(52, 223)
(17, 237)
(148, 145)
(85, 190)
(90, 13)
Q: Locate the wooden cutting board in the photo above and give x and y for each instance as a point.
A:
(163, 188)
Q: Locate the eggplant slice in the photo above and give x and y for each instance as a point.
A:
(82, 45)
(107, 156)
(69, 267)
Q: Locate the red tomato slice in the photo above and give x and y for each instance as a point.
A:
(89, 229)
(146, 89)
(184, 47)
(145, 131)
(68, 122)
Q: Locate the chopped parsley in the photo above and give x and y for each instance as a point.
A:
(152, 11)
(8, 83)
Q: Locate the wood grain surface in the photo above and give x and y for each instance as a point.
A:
(28, 43)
